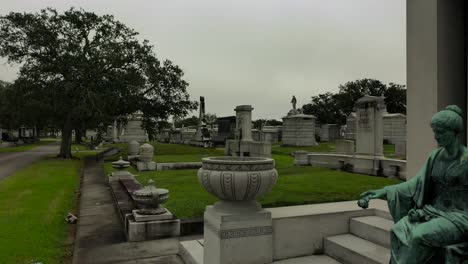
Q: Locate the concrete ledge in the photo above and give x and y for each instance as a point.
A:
(371, 165)
(178, 166)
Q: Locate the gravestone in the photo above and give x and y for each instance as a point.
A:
(350, 126)
(109, 135)
(400, 148)
(202, 136)
(329, 132)
(344, 146)
(133, 129)
(226, 128)
(298, 128)
(394, 127)
(369, 125)
(243, 145)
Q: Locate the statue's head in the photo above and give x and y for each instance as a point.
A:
(447, 124)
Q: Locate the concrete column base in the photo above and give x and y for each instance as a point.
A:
(152, 229)
(237, 237)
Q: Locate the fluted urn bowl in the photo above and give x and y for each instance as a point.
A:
(238, 181)
(150, 198)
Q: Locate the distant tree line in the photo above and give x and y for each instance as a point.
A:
(260, 123)
(332, 108)
(209, 120)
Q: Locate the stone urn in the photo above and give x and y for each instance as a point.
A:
(120, 165)
(133, 148)
(146, 152)
(150, 198)
(237, 181)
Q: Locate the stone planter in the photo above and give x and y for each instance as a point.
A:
(237, 229)
(150, 198)
(237, 181)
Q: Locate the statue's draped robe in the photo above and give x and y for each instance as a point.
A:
(440, 193)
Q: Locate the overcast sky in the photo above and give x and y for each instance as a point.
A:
(259, 52)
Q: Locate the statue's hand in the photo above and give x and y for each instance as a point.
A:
(416, 215)
(374, 194)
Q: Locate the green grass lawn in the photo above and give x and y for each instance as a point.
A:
(34, 203)
(26, 147)
(296, 185)
(79, 147)
(164, 152)
(171, 152)
(322, 147)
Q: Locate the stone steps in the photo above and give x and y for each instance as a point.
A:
(350, 249)
(191, 251)
(367, 243)
(313, 259)
(372, 228)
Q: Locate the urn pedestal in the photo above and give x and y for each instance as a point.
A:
(237, 229)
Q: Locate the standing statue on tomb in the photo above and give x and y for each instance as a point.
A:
(294, 102)
(431, 209)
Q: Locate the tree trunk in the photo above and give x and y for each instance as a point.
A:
(78, 136)
(65, 145)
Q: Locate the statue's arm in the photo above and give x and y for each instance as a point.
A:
(404, 189)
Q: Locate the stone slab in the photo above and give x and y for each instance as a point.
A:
(191, 252)
(314, 259)
(372, 228)
(352, 249)
(145, 218)
(178, 166)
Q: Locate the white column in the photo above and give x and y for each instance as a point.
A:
(436, 70)
(244, 122)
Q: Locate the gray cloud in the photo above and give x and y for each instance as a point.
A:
(261, 52)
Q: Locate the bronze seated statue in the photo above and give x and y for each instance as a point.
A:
(431, 210)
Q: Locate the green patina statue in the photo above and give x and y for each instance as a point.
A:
(431, 209)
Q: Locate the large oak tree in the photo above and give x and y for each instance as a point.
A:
(89, 69)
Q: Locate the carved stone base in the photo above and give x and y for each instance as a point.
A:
(154, 217)
(151, 229)
(146, 166)
(237, 237)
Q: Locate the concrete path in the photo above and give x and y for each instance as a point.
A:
(10, 162)
(100, 237)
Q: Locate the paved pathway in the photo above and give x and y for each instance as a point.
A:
(100, 238)
(10, 162)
